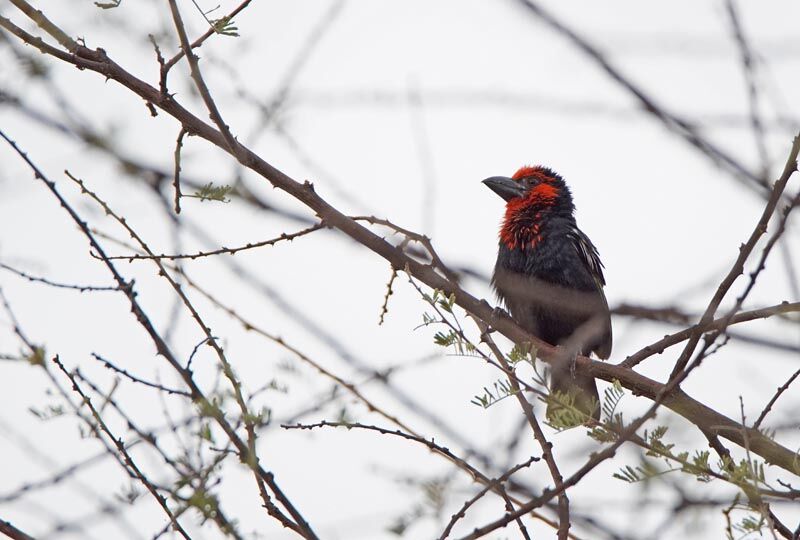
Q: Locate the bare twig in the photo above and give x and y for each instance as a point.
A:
(197, 77)
(110, 365)
(223, 250)
(749, 70)
(425, 155)
(674, 123)
(546, 446)
(661, 345)
(674, 316)
(314, 38)
(166, 66)
(768, 407)
(37, 279)
(12, 532)
(499, 480)
(164, 350)
(121, 449)
(176, 179)
(385, 305)
(744, 252)
(45, 24)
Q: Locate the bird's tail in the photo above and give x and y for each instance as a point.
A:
(573, 398)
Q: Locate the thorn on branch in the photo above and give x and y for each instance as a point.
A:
(176, 180)
(389, 292)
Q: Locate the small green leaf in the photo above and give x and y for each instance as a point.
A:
(205, 433)
(445, 339)
(36, 357)
(501, 389)
(225, 27)
(210, 192)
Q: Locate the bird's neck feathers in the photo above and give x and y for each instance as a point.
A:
(529, 219)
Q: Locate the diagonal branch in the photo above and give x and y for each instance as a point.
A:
(748, 67)
(744, 253)
(671, 121)
(243, 448)
(678, 337)
(546, 446)
(12, 532)
(199, 41)
(197, 77)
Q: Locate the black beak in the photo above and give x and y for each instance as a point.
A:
(507, 188)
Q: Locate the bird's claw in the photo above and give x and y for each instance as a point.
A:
(573, 363)
(499, 313)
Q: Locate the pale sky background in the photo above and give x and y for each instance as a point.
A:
(399, 111)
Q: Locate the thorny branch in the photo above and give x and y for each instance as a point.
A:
(120, 446)
(176, 180)
(738, 267)
(244, 449)
(502, 478)
(546, 446)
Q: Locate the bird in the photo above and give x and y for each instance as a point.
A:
(550, 278)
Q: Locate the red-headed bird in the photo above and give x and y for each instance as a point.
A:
(550, 277)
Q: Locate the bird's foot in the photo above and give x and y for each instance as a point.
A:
(498, 313)
(573, 363)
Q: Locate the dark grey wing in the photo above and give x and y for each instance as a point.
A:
(588, 254)
(591, 260)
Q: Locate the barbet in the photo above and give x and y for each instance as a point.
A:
(550, 277)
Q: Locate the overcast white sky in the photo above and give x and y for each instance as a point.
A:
(399, 111)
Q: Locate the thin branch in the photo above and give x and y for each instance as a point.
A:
(676, 317)
(674, 123)
(389, 292)
(121, 449)
(313, 39)
(246, 453)
(421, 239)
(197, 77)
(744, 252)
(430, 444)
(462, 512)
(37, 279)
(749, 70)
(165, 351)
(110, 365)
(546, 446)
(199, 41)
(45, 24)
(755, 501)
(768, 407)
(223, 250)
(176, 178)
(12, 532)
(661, 345)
